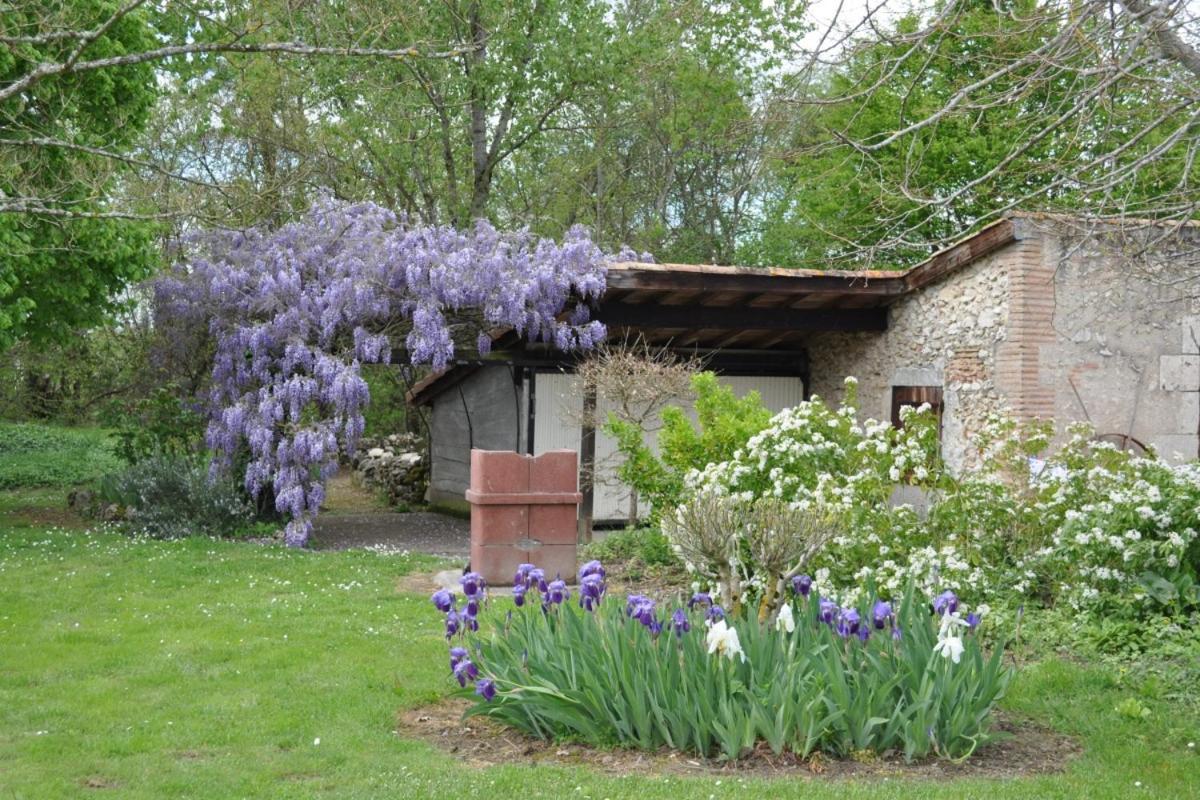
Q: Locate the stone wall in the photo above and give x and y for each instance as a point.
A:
(1050, 326)
(396, 465)
(1126, 349)
(950, 334)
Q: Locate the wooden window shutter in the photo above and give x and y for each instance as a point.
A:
(915, 396)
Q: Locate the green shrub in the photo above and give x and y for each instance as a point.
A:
(160, 423)
(724, 422)
(168, 497)
(388, 411)
(33, 455)
(626, 675)
(645, 545)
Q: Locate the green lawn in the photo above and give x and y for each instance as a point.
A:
(206, 669)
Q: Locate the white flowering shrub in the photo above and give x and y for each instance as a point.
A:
(1109, 529)
(1091, 526)
(820, 459)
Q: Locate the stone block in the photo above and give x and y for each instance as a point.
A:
(495, 471)
(1176, 448)
(499, 524)
(1191, 335)
(523, 509)
(554, 471)
(498, 563)
(553, 524)
(1188, 416)
(1179, 373)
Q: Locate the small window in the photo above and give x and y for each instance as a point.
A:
(915, 396)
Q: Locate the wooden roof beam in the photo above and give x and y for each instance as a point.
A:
(741, 318)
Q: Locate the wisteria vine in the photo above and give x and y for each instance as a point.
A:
(292, 314)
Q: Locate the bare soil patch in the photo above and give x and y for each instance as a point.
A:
(1021, 748)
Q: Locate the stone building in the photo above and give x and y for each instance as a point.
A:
(1029, 316)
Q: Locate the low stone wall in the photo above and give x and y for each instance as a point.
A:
(396, 465)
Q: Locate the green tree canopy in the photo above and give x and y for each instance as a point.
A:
(58, 272)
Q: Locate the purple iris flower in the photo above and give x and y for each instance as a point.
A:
(443, 600)
(591, 589)
(945, 603)
(485, 688)
(864, 632)
(592, 586)
(827, 611)
(457, 654)
(701, 599)
(472, 583)
(537, 577)
(896, 633)
(849, 622)
(452, 623)
(802, 585)
(472, 608)
(973, 620)
(464, 671)
(715, 613)
(591, 568)
(522, 576)
(557, 592)
(471, 623)
(881, 614)
(640, 608)
(655, 626)
(679, 622)
(519, 594)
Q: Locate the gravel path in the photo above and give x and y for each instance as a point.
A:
(353, 517)
(416, 531)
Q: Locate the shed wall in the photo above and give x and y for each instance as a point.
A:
(949, 334)
(1050, 327)
(485, 410)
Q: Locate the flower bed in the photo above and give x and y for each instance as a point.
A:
(909, 677)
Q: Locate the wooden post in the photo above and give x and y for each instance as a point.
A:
(587, 463)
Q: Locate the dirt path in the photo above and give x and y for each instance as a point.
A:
(353, 517)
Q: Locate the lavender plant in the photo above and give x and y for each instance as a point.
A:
(909, 676)
(291, 315)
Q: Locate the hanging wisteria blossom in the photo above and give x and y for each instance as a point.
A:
(293, 313)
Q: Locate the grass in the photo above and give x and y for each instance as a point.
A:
(213, 669)
(34, 455)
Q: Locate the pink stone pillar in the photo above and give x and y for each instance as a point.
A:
(523, 509)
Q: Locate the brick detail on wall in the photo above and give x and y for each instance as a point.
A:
(1030, 326)
(965, 367)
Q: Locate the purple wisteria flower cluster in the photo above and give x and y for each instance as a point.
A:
(291, 315)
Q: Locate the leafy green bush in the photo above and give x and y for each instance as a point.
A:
(168, 497)
(724, 422)
(158, 424)
(645, 545)
(33, 455)
(843, 681)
